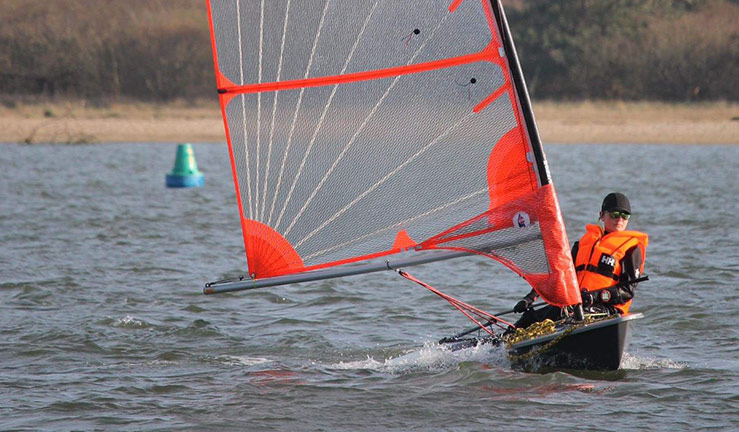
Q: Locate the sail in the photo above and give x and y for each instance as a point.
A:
(361, 129)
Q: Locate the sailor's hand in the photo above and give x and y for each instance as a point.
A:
(588, 298)
(522, 305)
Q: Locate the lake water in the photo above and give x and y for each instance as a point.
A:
(103, 325)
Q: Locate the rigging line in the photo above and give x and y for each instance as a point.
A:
(259, 109)
(243, 108)
(395, 225)
(455, 301)
(467, 309)
(274, 105)
(295, 115)
(359, 130)
(384, 179)
(318, 128)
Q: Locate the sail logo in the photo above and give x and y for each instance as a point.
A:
(521, 220)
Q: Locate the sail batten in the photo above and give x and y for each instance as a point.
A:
(325, 81)
(392, 127)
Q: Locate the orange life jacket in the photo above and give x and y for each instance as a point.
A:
(598, 261)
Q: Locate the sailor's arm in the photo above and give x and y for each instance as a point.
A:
(525, 302)
(630, 270)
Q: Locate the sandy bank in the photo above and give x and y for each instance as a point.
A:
(607, 122)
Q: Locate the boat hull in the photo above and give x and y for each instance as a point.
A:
(596, 346)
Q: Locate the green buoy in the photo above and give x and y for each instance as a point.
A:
(185, 172)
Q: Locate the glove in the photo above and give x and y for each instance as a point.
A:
(522, 305)
(588, 298)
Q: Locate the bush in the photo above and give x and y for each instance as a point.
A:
(671, 50)
(158, 50)
(146, 49)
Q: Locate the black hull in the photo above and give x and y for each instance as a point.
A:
(597, 346)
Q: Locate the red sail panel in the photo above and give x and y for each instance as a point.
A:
(526, 234)
(559, 287)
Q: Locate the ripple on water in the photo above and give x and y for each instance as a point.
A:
(104, 324)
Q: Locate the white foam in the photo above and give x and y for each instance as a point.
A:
(431, 356)
(129, 322)
(632, 362)
(243, 360)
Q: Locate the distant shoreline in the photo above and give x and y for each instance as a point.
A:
(559, 123)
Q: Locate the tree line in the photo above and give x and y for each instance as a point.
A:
(667, 50)
(159, 50)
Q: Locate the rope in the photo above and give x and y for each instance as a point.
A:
(466, 309)
(541, 329)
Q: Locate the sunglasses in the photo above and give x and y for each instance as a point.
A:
(619, 214)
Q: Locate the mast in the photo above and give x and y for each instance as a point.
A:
(524, 102)
(522, 93)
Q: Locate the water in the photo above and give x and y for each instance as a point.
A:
(104, 327)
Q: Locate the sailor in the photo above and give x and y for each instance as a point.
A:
(605, 258)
